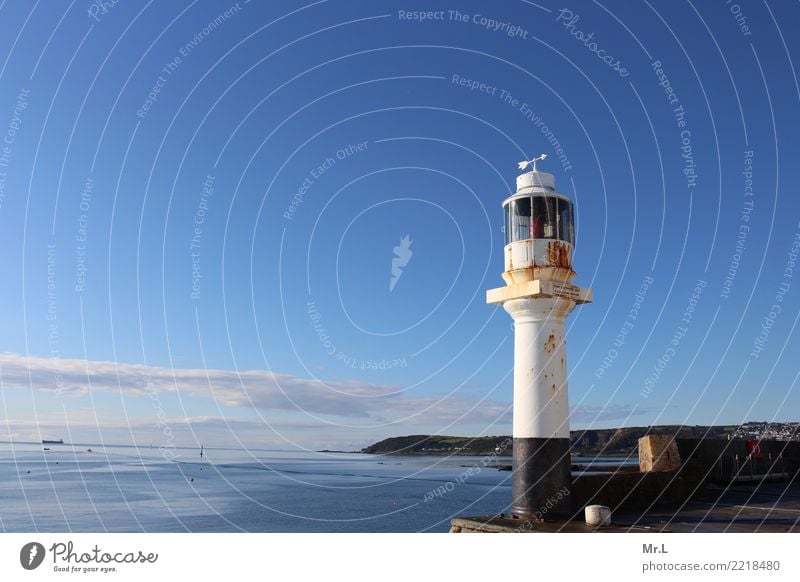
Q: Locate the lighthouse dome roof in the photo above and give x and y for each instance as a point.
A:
(536, 179)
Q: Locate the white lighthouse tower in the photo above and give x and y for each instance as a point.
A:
(539, 239)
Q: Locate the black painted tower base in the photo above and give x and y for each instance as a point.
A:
(541, 479)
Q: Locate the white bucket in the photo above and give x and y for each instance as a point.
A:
(597, 515)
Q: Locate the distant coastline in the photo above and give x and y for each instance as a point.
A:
(606, 442)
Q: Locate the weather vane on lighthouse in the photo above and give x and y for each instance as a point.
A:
(539, 239)
(525, 164)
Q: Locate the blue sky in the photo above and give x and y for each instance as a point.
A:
(200, 204)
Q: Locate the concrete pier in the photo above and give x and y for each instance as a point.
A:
(688, 485)
(736, 509)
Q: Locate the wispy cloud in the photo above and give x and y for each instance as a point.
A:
(258, 401)
(260, 390)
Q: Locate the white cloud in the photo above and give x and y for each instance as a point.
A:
(253, 404)
(349, 401)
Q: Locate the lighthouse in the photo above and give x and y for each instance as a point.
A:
(539, 295)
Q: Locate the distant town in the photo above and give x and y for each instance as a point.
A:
(778, 431)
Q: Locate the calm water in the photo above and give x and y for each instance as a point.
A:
(129, 489)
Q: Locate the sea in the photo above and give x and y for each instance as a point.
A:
(107, 488)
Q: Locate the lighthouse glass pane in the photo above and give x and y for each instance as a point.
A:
(524, 227)
(545, 218)
(520, 219)
(506, 224)
(566, 223)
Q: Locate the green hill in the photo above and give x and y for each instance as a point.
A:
(611, 441)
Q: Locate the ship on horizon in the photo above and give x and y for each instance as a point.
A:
(58, 442)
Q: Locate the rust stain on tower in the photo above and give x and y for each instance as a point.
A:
(559, 254)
